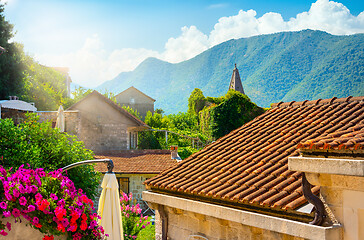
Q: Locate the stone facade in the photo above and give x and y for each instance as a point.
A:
(101, 124)
(22, 231)
(180, 218)
(188, 225)
(137, 100)
(72, 120)
(342, 190)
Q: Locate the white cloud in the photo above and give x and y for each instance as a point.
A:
(186, 46)
(91, 65)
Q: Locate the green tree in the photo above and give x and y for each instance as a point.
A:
(37, 144)
(11, 78)
(236, 110)
(196, 101)
(133, 112)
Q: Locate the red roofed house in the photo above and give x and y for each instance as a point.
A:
(133, 167)
(242, 187)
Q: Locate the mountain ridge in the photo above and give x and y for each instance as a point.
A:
(276, 67)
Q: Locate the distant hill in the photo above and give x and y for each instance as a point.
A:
(278, 67)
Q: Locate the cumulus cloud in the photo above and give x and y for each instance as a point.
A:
(189, 44)
(91, 65)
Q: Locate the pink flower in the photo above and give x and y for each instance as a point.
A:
(3, 205)
(54, 196)
(8, 225)
(31, 208)
(6, 214)
(16, 212)
(22, 201)
(2, 232)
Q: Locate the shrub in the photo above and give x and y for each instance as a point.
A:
(40, 145)
(49, 202)
(133, 220)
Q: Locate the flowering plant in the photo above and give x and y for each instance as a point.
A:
(133, 219)
(49, 202)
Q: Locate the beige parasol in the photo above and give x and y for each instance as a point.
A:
(109, 208)
(60, 119)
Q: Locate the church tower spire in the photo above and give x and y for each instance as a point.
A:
(235, 82)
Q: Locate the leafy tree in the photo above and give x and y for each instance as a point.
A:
(36, 143)
(196, 101)
(159, 110)
(236, 110)
(11, 82)
(133, 112)
(156, 120)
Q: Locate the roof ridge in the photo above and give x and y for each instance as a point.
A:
(112, 103)
(317, 102)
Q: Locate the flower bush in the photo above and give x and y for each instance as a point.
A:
(133, 219)
(48, 202)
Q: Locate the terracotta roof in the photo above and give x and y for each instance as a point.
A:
(350, 139)
(137, 161)
(114, 105)
(249, 166)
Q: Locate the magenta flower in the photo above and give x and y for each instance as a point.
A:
(8, 225)
(22, 201)
(35, 220)
(2, 232)
(7, 214)
(54, 196)
(16, 212)
(31, 208)
(3, 205)
(16, 193)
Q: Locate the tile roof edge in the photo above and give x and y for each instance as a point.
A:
(317, 102)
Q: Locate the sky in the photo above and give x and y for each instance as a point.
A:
(98, 39)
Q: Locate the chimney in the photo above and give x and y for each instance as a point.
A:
(13, 98)
(174, 153)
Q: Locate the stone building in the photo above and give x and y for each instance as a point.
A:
(133, 167)
(137, 100)
(100, 123)
(242, 187)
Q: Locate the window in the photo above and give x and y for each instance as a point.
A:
(133, 140)
(132, 100)
(123, 185)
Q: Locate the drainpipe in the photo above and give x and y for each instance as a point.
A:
(314, 200)
(164, 219)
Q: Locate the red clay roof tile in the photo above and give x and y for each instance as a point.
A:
(137, 161)
(249, 165)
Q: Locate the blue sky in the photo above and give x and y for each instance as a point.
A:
(99, 39)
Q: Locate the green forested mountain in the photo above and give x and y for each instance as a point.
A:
(278, 67)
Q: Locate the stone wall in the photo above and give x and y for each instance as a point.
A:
(20, 231)
(193, 226)
(72, 120)
(136, 100)
(344, 195)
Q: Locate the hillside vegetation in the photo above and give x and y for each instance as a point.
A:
(278, 67)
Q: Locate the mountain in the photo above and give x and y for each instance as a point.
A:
(278, 67)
